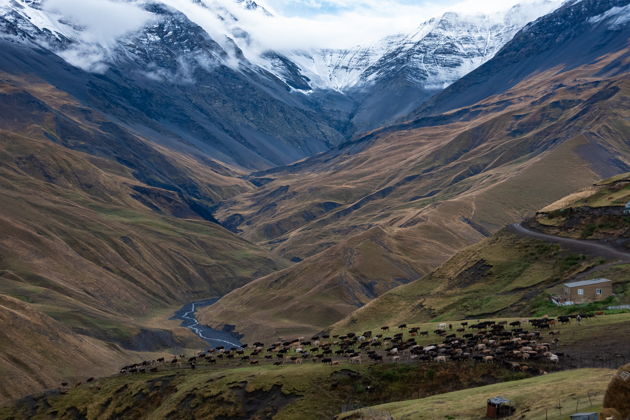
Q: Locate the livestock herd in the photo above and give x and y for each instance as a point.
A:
(521, 345)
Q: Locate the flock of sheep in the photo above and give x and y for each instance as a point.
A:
(509, 343)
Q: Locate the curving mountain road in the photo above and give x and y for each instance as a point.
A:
(584, 246)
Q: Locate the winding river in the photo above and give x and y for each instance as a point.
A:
(214, 338)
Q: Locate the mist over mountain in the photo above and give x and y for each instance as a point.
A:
(314, 98)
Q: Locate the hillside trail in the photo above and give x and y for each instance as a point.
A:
(580, 245)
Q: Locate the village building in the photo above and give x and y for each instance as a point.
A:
(499, 407)
(627, 209)
(587, 291)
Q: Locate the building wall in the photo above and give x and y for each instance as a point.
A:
(590, 294)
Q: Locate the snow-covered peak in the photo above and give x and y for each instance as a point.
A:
(439, 52)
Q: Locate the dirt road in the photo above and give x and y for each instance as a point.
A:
(598, 249)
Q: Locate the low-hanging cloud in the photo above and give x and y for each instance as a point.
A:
(104, 21)
(356, 21)
(96, 25)
(326, 24)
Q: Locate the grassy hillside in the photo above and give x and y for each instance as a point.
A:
(95, 248)
(312, 391)
(451, 180)
(311, 295)
(233, 388)
(506, 275)
(594, 213)
(576, 390)
(434, 187)
(513, 274)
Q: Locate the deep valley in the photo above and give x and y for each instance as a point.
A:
(196, 224)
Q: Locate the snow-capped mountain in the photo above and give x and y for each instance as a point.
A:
(439, 52)
(209, 50)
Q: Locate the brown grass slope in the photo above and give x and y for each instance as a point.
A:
(310, 295)
(450, 183)
(593, 213)
(91, 249)
(36, 351)
(509, 274)
(434, 190)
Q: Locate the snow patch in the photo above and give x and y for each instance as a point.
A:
(615, 17)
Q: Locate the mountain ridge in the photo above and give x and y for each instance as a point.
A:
(439, 184)
(402, 70)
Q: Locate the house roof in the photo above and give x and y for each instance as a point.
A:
(586, 282)
(499, 401)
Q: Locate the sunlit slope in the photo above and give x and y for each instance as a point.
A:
(309, 296)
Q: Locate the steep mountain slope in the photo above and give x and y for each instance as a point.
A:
(439, 184)
(577, 129)
(171, 81)
(92, 252)
(589, 28)
(303, 299)
(190, 74)
(508, 274)
(67, 354)
(391, 78)
(440, 53)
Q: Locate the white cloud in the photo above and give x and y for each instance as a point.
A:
(346, 23)
(104, 20)
(96, 25)
(324, 23)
